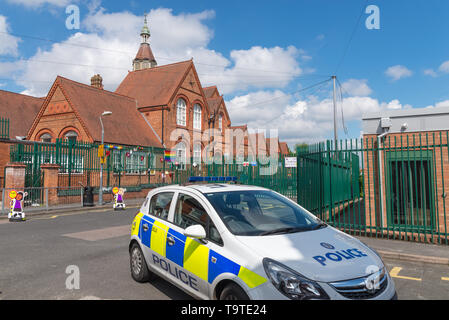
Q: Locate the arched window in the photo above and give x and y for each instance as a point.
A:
(181, 112)
(71, 136)
(197, 117)
(181, 154)
(220, 122)
(46, 137)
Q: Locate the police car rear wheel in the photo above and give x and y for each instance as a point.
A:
(233, 292)
(139, 268)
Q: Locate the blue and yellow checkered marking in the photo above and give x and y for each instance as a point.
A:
(219, 264)
(175, 252)
(190, 254)
(146, 235)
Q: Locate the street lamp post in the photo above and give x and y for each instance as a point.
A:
(100, 192)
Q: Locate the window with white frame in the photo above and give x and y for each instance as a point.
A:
(118, 161)
(46, 137)
(136, 162)
(71, 136)
(197, 153)
(76, 163)
(197, 117)
(181, 154)
(181, 112)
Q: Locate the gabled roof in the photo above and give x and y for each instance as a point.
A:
(209, 91)
(125, 125)
(243, 127)
(214, 105)
(20, 109)
(283, 146)
(154, 86)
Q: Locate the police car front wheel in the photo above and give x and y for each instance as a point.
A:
(233, 292)
(139, 268)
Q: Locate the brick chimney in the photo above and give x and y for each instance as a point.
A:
(96, 81)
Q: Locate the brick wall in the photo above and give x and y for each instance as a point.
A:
(57, 119)
(434, 142)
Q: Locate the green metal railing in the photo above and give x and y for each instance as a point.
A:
(79, 163)
(4, 128)
(393, 187)
(260, 172)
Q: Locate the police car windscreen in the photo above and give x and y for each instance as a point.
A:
(258, 212)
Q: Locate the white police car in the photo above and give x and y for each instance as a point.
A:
(223, 241)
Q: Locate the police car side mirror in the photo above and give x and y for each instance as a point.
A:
(196, 232)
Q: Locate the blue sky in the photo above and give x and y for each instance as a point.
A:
(274, 47)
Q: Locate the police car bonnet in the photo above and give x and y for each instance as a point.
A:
(323, 255)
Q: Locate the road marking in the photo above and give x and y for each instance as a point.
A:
(395, 274)
(77, 213)
(101, 234)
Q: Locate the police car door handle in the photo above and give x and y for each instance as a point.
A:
(145, 227)
(170, 241)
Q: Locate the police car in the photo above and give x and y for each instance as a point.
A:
(235, 242)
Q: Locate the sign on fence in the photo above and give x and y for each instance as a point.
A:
(290, 162)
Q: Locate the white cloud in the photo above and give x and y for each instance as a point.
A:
(8, 43)
(440, 104)
(430, 72)
(39, 3)
(304, 120)
(173, 38)
(357, 87)
(444, 67)
(397, 72)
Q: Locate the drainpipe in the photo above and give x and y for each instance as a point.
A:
(379, 141)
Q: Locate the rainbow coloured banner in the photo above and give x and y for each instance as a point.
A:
(169, 155)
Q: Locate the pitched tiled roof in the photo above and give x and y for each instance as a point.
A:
(214, 103)
(209, 91)
(283, 146)
(145, 52)
(126, 125)
(20, 110)
(242, 127)
(154, 86)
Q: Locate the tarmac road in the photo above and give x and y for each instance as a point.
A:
(35, 255)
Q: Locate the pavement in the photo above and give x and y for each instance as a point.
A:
(31, 212)
(409, 251)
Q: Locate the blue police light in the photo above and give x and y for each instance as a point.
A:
(212, 179)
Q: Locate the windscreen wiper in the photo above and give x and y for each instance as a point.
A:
(320, 225)
(283, 230)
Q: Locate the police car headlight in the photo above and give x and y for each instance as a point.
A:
(292, 284)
